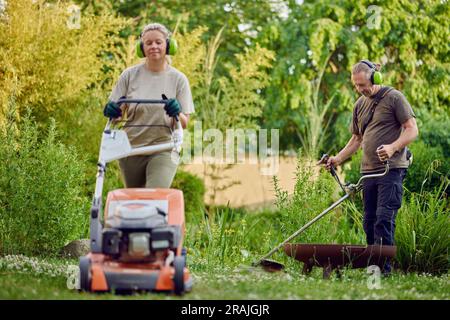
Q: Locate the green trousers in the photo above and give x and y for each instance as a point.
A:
(153, 171)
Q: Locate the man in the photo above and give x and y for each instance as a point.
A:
(383, 125)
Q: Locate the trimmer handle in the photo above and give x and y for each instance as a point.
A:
(324, 161)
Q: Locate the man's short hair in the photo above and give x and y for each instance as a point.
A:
(363, 67)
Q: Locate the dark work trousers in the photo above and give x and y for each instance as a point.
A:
(382, 198)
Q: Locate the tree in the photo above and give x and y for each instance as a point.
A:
(408, 38)
(48, 61)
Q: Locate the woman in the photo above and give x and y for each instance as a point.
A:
(147, 125)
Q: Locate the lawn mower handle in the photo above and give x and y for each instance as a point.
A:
(138, 101)
(149, 101)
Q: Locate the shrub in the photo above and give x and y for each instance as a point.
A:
(41, 183)
(194, 191)
(428, 167)
(434, 130)
(46, 63)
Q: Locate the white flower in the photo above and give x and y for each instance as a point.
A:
(302, 61)
(291, 70)
(227, 7)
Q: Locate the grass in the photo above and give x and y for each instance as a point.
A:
(223, 242)
(240, 282)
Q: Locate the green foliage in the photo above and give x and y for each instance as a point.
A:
(429, 167)
(45, 64)
(422, 234)
(216, 239)
(313, 193)
(194, 191)
(433, 130)
(352, 168)
(232, 101)
(408, 38)
(243, 20)
(223, 102)
(42, 206)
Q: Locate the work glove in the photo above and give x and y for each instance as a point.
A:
(112, 110)
(172, 106)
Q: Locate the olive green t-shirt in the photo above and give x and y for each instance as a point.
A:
(384, 128)
(147, 124)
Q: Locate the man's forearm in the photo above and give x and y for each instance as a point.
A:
(406, 137)
(352, 146)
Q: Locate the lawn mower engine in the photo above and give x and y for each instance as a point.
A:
(139, 232)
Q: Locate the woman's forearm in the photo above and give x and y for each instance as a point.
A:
(183, 118)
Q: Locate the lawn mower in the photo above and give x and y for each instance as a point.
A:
(138, 245)
(331, 256)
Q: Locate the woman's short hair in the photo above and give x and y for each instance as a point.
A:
(156, 26)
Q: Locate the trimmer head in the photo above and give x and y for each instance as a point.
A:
(269, 265)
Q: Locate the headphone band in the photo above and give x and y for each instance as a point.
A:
(369, 64)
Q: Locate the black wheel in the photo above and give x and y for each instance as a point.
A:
(178, 279)
(85, 274)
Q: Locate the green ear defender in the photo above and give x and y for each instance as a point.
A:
(376, 76)
(171, 47)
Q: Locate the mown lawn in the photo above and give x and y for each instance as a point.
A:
(244, 282)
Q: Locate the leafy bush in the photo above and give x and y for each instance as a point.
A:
(41, 184)
(434, 130)
(45, 61)
(422, 235)
(428, 168)
(194, 191)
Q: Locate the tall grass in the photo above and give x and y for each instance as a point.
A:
(229, 237)
(423, 232)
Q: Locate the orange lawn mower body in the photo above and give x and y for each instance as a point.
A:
(139, 244)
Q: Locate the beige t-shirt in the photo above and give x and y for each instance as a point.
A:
(148, 124)
(385, 127)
